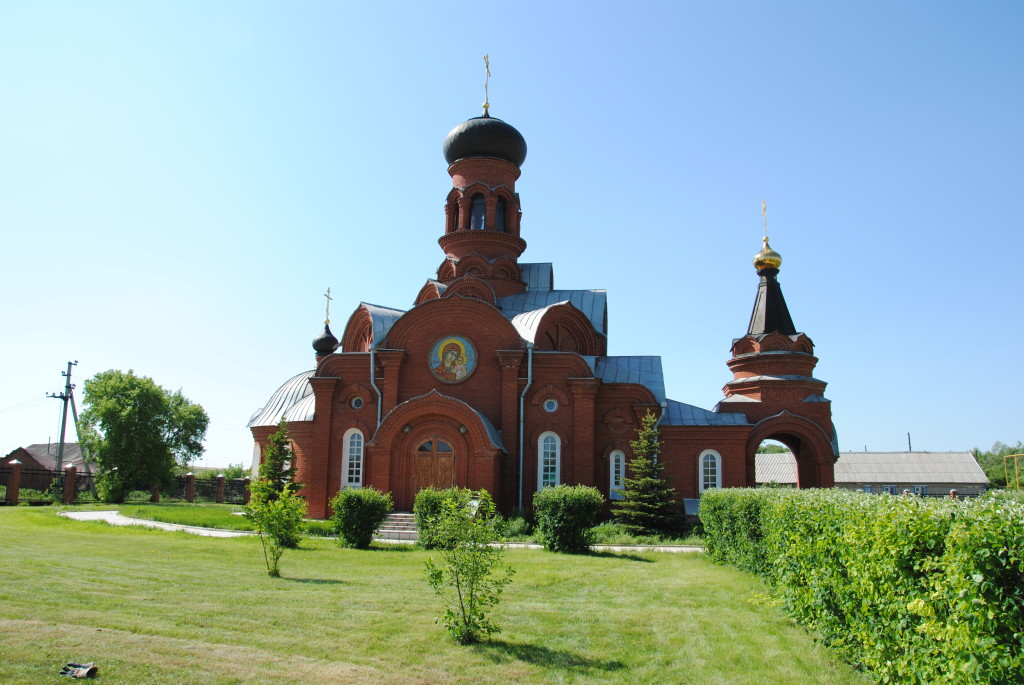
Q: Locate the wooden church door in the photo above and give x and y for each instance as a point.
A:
(434, 464)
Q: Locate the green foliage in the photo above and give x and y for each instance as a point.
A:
(277, 469)
(518, 528)
(915, 590)
(565, 514)
(648, 504)
(137, 432)
(427, 508)
(357, 513)
(470, 577)
(278, 522)
(232, 471)
(997, 468)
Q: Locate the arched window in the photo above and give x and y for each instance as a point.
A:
(499, 216)
(352, 463)
(710, 464)
(455, 212)
(476, 213)
(549, 460)
(617, 471)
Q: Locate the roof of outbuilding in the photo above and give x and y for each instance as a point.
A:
(46, 454)
(882, 467)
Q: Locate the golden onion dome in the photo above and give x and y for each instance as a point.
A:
(767, 258)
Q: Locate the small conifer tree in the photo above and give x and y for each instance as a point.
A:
(278, 466)
(648, 503)
(281, 522)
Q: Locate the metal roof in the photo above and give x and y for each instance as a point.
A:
(46, 454)
(592, 303)
(383, 319)
(538, 276)
(679, 414)
(281, 402)
(881, 467)
(765, 377)
(645, 371)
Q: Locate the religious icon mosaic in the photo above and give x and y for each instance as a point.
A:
(452, 359)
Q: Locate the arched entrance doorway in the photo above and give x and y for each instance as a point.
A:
(433, 465)
(813, 452)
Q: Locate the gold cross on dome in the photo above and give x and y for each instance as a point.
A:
(327, 294)
(764, 217)
(487, 77)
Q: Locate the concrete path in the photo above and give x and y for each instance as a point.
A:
(115, 519)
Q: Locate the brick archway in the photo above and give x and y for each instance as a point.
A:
(398, 464)
(815, 457)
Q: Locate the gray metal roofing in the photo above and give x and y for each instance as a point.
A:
(645, 371)
(538, 276)
(46, 454)
(284, 398)
(383, 319)
(592, 303)
(680, 414)
(882, 467)
(764, 377)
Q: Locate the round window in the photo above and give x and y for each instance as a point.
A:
(356, 402)
(550, 405)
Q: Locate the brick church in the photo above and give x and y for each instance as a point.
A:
(496, 379)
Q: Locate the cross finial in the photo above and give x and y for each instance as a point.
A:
(487, 77)
(327, 294)
(764, 218)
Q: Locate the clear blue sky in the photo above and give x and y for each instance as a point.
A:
(180, 181)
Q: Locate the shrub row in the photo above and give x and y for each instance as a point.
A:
(915, 591)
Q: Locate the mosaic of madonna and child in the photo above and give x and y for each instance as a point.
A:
(453, 359)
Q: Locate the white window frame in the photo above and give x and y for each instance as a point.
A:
(616, 472)
(546, 455)
(889, 489)
(921, 490)
(702, 482)
(347, 481)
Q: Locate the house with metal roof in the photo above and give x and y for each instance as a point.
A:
(931, 474)
(493, 378)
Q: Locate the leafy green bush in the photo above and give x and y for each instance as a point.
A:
(468, 579)
(278, 522)
(427, 508)
(565, 515)
(357, 513)
(516, 528)
(917, 591)
(318, 528)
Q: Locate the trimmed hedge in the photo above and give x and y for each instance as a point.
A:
(915, 591)
(358, 512)
(565, 515)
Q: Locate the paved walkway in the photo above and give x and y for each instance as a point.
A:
(115, 519)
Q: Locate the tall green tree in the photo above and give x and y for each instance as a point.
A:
(648, 504)
(277, 482)
(996, 467)
(136, 431)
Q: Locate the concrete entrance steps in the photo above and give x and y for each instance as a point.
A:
(398, 526)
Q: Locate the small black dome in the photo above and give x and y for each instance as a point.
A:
(326, 343)
(485, 137)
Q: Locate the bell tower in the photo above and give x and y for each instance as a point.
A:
(773, 382)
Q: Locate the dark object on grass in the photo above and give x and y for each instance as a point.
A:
(73, 670)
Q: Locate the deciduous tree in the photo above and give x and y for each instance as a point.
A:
(137, 431)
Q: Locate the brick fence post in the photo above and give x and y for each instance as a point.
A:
(245, 492)
(190, 487)
(70, 478)
(220, 489)
(154, 494)
(14, 483)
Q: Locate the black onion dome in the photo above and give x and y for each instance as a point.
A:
(326, 343)
(485, 137)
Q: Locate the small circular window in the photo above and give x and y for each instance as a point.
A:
(550, 405)
(356, 402)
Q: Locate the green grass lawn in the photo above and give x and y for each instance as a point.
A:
(156, 607)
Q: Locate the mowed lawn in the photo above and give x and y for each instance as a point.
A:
(156, 607)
